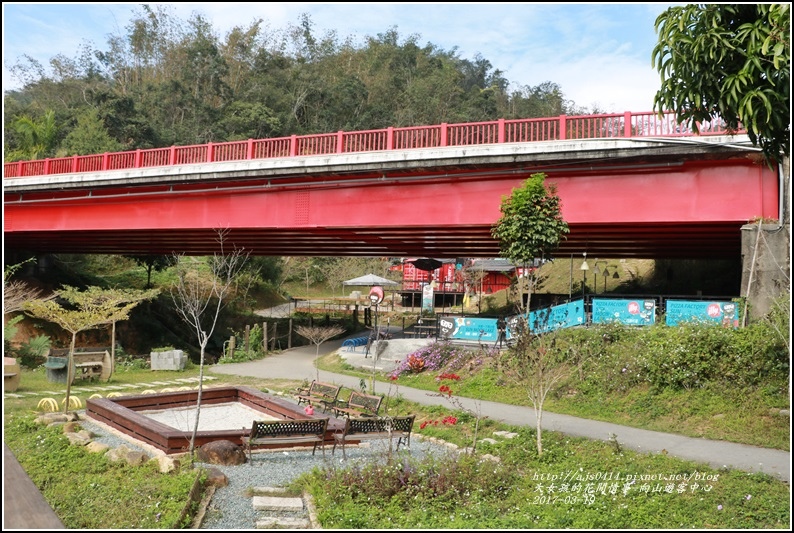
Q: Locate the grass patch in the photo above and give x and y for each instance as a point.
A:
(87, 492)
(576, 483)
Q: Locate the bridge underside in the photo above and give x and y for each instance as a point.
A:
(687, 210)
(709, 241)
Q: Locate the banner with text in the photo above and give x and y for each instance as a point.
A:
(724, 313)
(629, 312)
(556, 317)
(467, 328)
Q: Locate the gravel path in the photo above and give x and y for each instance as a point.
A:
(231, 506)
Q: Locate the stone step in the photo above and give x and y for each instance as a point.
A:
(274, 522)
(276, 510)
(277, 503)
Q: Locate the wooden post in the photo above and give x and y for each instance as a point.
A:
(264, 336)
(231, 346)
(273, 340)
(247, 339)
(289, 335)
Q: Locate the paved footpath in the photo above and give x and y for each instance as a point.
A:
(298, 363)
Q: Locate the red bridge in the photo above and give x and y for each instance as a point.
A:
(631, 185)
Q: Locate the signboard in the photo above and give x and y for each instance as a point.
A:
(628, 312)
(376, 295)
(701, 311)
(512, 326)
(556, 317)
(427, 298)
(467, 328)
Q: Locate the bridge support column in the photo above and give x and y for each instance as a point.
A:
(766, 265)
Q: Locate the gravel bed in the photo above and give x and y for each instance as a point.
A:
(231, 506)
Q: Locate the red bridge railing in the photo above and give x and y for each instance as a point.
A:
(607, 126)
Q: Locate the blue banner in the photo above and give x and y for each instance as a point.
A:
(723, 313)
(467, 328)
(427, 298)
(629, 312)
(556, 317)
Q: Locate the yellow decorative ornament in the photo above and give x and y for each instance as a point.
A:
(47, 404)
(114, 394)
(149, 391)
(74, 402)
(95, 395)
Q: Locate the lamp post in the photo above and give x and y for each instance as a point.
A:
(584, 268)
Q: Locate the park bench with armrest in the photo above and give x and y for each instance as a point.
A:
(358, 405)
(358, 429)
(324, 394)
(305, 431)
(87, 363)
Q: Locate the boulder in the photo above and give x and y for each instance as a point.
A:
(221, 452)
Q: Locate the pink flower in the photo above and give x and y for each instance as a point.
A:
(719, 507)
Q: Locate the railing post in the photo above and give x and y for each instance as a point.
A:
(137, 158)
(293, 145)
(105, 161)
(209, 153)
(19, 169)
(74, 164)
(340, 141)
(249, 151)
(500, 135)
(627, 124)
(562, 128)
(47, 166)
(390, 138)
(172, 155)
(443, 134)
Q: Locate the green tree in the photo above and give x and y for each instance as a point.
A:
(153, 263)
(531, 225)
(728, 62)
(84, 310)
(36, 137)
(90, 136)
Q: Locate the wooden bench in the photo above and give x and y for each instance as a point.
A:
(324, 394)
(358, 405)
(358, 429)
(304, 431)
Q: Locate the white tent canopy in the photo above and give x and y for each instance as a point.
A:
(369, 280)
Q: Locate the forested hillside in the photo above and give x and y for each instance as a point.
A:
(163, 81)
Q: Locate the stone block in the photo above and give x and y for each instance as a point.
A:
(168, 360)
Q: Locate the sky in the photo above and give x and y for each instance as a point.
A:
(599, 54)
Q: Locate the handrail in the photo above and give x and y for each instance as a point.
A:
(563, 127)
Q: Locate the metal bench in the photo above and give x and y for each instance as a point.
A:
(358, 405)
(358, 429)
(324, 394)
(308, 431)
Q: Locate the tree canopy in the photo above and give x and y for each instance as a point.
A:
(531, 225)
(728, 62)
(164, 81)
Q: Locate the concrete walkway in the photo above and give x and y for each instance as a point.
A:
(298, 364)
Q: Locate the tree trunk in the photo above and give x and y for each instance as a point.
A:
(198, 400)
(539, 417)
(69, 373)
